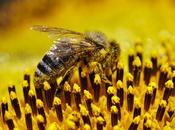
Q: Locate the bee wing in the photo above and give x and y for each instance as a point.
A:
(71, 46)
(55, 32)
(67, 42)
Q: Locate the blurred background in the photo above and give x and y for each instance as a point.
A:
(123, 20)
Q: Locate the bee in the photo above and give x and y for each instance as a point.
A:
(69, 49)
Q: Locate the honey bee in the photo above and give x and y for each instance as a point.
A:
(71, 48)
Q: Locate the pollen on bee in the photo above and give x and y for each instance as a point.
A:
(59, 80)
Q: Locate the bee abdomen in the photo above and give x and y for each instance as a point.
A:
(49, 61)
(50, 64)
(44, 68)
(56, 62)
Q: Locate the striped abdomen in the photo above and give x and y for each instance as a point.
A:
(55, 63)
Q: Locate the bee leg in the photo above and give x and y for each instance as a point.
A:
(61, 85)
(58, 92)
(98, 69)
(67, 77)
(113, 70)
(105, 79)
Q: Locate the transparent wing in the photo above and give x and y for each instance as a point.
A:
(71, 46)
(55, 32)
(67, 42)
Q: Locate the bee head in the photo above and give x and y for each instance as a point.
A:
(97, 38)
